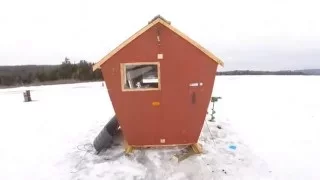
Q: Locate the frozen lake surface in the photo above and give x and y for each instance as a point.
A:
(273, 121)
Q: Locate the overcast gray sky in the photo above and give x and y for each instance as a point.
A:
(246, 34)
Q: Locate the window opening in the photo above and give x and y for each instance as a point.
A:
(141, 76)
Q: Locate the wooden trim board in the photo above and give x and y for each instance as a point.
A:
(196, 147)
(160, 145)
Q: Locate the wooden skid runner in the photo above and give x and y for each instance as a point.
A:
(180, 156)
(197, 148)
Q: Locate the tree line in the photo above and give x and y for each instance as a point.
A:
(23, 75)
(82, 71)
(249, 72)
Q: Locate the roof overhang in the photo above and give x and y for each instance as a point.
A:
(157, 19)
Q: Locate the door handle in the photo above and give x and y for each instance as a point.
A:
(193, 98)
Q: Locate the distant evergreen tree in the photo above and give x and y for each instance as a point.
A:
(85, 72)
(42, 76)
(53, 75)
(65, 69)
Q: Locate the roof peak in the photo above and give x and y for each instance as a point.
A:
(159, 17)
(155, 20)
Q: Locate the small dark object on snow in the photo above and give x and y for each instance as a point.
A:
(104, 139)
(27, 96)
(219, 127)
(224, 171)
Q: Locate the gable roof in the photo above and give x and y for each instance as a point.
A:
(155, 20)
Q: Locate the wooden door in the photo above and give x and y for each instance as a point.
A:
(179, 100)
(141, 92)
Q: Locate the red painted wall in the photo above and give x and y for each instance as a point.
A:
(177, 119)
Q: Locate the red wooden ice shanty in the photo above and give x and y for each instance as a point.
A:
(160, 83)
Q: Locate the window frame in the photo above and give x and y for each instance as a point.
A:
(123, 71)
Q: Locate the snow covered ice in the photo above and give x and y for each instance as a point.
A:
(272, 120)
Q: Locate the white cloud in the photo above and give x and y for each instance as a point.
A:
(43, 32)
